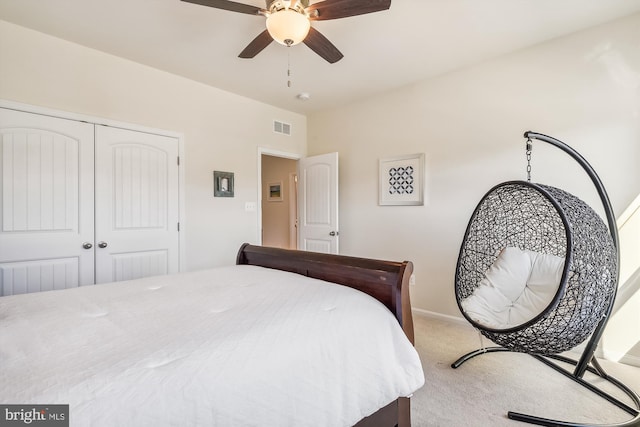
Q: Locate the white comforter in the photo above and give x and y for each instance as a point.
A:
(232, 346)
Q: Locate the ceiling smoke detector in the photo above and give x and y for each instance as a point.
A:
(303, 96)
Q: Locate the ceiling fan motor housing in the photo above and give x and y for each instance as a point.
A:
(288, 26)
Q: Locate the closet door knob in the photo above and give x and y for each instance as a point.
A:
(87, 245)
(102, 245)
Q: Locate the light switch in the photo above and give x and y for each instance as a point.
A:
(249, 206)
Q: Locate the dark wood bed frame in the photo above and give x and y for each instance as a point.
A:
(386, 281)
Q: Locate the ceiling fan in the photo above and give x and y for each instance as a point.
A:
(289, 21)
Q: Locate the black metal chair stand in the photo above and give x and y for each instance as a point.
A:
(584, 300)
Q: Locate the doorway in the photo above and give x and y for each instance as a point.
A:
(308, 204)
(279, 205)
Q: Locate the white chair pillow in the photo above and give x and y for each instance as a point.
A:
(517, 287)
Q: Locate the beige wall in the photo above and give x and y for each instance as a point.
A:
(221, 131)
(276, 215)
(583, 89)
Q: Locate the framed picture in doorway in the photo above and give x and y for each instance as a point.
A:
(402, 180)
(222, 184)
(275, 192)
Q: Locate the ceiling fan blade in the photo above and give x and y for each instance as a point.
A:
(334, 9)
(322, 46)
(257, 45)
(229, 5)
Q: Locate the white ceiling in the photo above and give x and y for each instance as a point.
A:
(412, 41)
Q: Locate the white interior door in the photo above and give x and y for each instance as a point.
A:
(318, 203)
(137, 207)
(46, 205)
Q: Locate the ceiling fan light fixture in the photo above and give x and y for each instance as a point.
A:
(288, 27)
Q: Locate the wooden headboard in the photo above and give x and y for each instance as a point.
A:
(387, 281)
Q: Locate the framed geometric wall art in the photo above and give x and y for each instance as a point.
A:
(402, 180)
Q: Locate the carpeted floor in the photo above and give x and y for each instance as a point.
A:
(484, 389)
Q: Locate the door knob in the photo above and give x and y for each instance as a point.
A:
(333, 233)
(102, 245)
(87, 245)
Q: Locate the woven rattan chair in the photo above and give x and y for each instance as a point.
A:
(540, 219)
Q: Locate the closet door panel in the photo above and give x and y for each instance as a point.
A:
(136, 204)
(46, 203)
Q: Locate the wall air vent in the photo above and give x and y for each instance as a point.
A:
(280, 127)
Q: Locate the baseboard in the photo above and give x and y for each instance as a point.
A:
(603, 353)
(630, 360)
(575, 352)
(439, 316)
(622, 358)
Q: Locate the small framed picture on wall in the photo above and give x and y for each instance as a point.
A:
(222, 184)
(275, 192)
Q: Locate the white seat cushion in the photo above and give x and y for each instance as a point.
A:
(517, 287)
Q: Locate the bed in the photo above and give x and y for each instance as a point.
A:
(271, 341)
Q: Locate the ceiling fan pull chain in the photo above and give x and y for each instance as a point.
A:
(288, 66)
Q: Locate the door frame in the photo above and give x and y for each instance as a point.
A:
(12, 105)
(293, 210)
(274, 153)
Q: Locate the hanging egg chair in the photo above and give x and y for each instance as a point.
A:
(549, 259)
(537, 273)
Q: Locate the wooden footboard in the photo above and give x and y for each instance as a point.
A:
(387, 281)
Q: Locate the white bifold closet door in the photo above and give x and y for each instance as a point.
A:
(83, 203)
(47, 203)
(136, 207)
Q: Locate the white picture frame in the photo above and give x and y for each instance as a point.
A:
(274, 192)
(401, 180)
